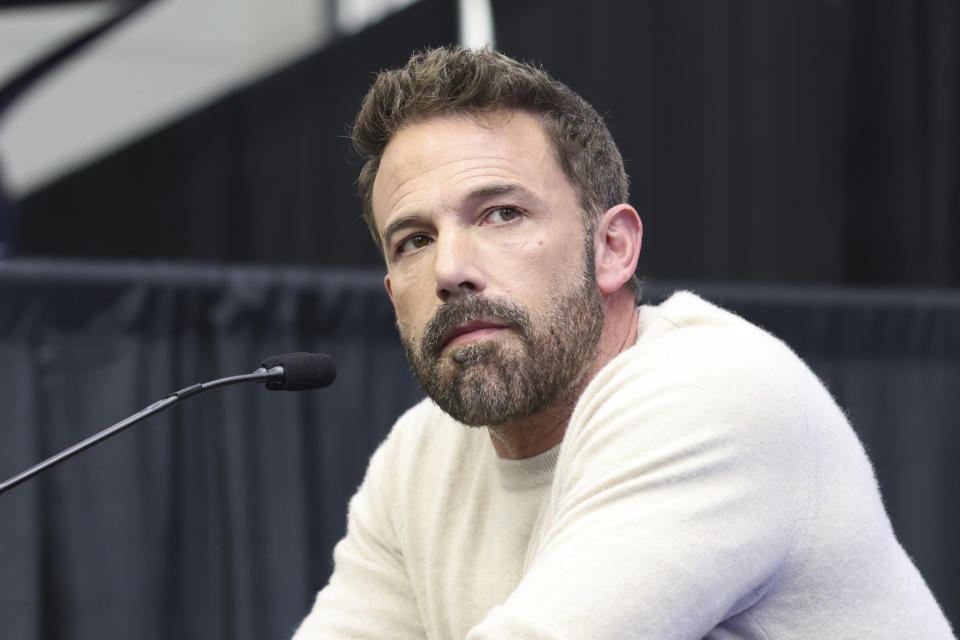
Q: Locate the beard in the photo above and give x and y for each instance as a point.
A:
(493, 381)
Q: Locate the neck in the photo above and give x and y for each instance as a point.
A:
(544, 430)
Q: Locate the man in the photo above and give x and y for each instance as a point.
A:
(584, 468)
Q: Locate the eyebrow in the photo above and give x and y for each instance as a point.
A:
(398, 224)
(495, 189)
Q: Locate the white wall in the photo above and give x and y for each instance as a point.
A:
(165, 61)
(168, 60)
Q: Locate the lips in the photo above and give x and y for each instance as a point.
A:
(469, 331)
(467, 319)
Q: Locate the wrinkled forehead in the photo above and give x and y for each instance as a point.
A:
(454, 149)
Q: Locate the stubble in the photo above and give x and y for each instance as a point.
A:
(494, 381)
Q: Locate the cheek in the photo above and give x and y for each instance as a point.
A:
(545, 265)
(408, 296)
(411, 314)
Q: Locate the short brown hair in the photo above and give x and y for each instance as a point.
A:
(449, 81)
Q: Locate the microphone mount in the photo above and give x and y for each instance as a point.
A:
(320, 373)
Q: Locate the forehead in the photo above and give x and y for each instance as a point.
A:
(461, 152)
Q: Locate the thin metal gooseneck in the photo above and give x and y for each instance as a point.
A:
(260, 375)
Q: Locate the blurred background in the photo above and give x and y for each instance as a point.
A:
(178, 200)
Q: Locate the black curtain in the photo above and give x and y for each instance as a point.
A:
(804, 141)
(797, 141)
(217, 518)
(7, 220)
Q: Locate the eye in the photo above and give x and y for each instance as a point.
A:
(499, 215)
(412, 244)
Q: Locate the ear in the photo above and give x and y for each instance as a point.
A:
(617, 247)
(386, 285)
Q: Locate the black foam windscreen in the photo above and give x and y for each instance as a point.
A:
(302, 371)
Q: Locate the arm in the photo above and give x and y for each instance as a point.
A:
(369, 594)
(679, 493)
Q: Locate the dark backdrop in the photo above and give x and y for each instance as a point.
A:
(216, 519)
(792, 141)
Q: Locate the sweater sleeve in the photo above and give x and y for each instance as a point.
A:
(680, 491)
(369, 594)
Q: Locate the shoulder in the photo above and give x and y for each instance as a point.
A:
(702, 385)
(695, 354)
(696, 335)
(700, 429)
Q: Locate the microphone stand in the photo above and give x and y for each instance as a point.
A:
(260, 375)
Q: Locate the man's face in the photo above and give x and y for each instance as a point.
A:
(488, 266)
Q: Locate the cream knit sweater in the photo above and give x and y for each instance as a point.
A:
(707, 487)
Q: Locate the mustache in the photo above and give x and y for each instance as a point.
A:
(470, 308)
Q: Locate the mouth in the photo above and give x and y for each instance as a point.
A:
(470, 332)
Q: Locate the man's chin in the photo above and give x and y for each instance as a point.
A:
(465, 369)
(468, 354)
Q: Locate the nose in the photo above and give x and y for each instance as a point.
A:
(457, 268)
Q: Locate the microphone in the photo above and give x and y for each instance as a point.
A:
(291, 372)
(299, 371)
